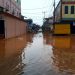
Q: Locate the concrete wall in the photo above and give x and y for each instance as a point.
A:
(14, 27)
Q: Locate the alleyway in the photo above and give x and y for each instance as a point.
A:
(38, 54)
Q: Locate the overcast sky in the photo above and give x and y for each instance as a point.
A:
(35, 9)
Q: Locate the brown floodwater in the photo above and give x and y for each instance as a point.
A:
(38, 54)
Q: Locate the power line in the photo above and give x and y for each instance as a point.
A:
(54, 12)
(39, 13)
(35, 12)
(36, 8)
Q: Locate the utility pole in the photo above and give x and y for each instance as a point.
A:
(54, 12)
(44, 16)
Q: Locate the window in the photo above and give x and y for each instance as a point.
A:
(66, 9)
(72, 9)
(1, 9)
(13, 12)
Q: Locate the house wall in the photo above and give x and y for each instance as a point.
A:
(62, 29)
(68, 16)
(14, 27)
(60, 11)
(68, 3)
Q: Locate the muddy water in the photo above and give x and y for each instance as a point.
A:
(38, 54)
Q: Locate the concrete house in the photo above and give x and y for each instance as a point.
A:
(65, 14)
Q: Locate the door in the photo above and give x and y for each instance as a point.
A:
(2, 28)
(73, 28)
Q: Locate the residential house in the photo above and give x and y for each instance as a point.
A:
(11, 24)
(65, 14)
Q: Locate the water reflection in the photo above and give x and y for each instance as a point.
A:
(63, 59)
(11, 54)
(64, 54)
(38, 54)
(48, 39)
(38, 57)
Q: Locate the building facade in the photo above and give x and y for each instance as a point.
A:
(65, 16)
(11, 23)
(65, 10)
(68, 10)
(11, 6)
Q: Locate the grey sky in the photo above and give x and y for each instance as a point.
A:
(34, 9)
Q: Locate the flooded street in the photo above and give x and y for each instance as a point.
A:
(38, 54)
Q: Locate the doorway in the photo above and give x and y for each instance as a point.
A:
(73, 28)
(2, 29)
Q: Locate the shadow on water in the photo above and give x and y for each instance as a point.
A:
(38, 54)
(64, 55)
